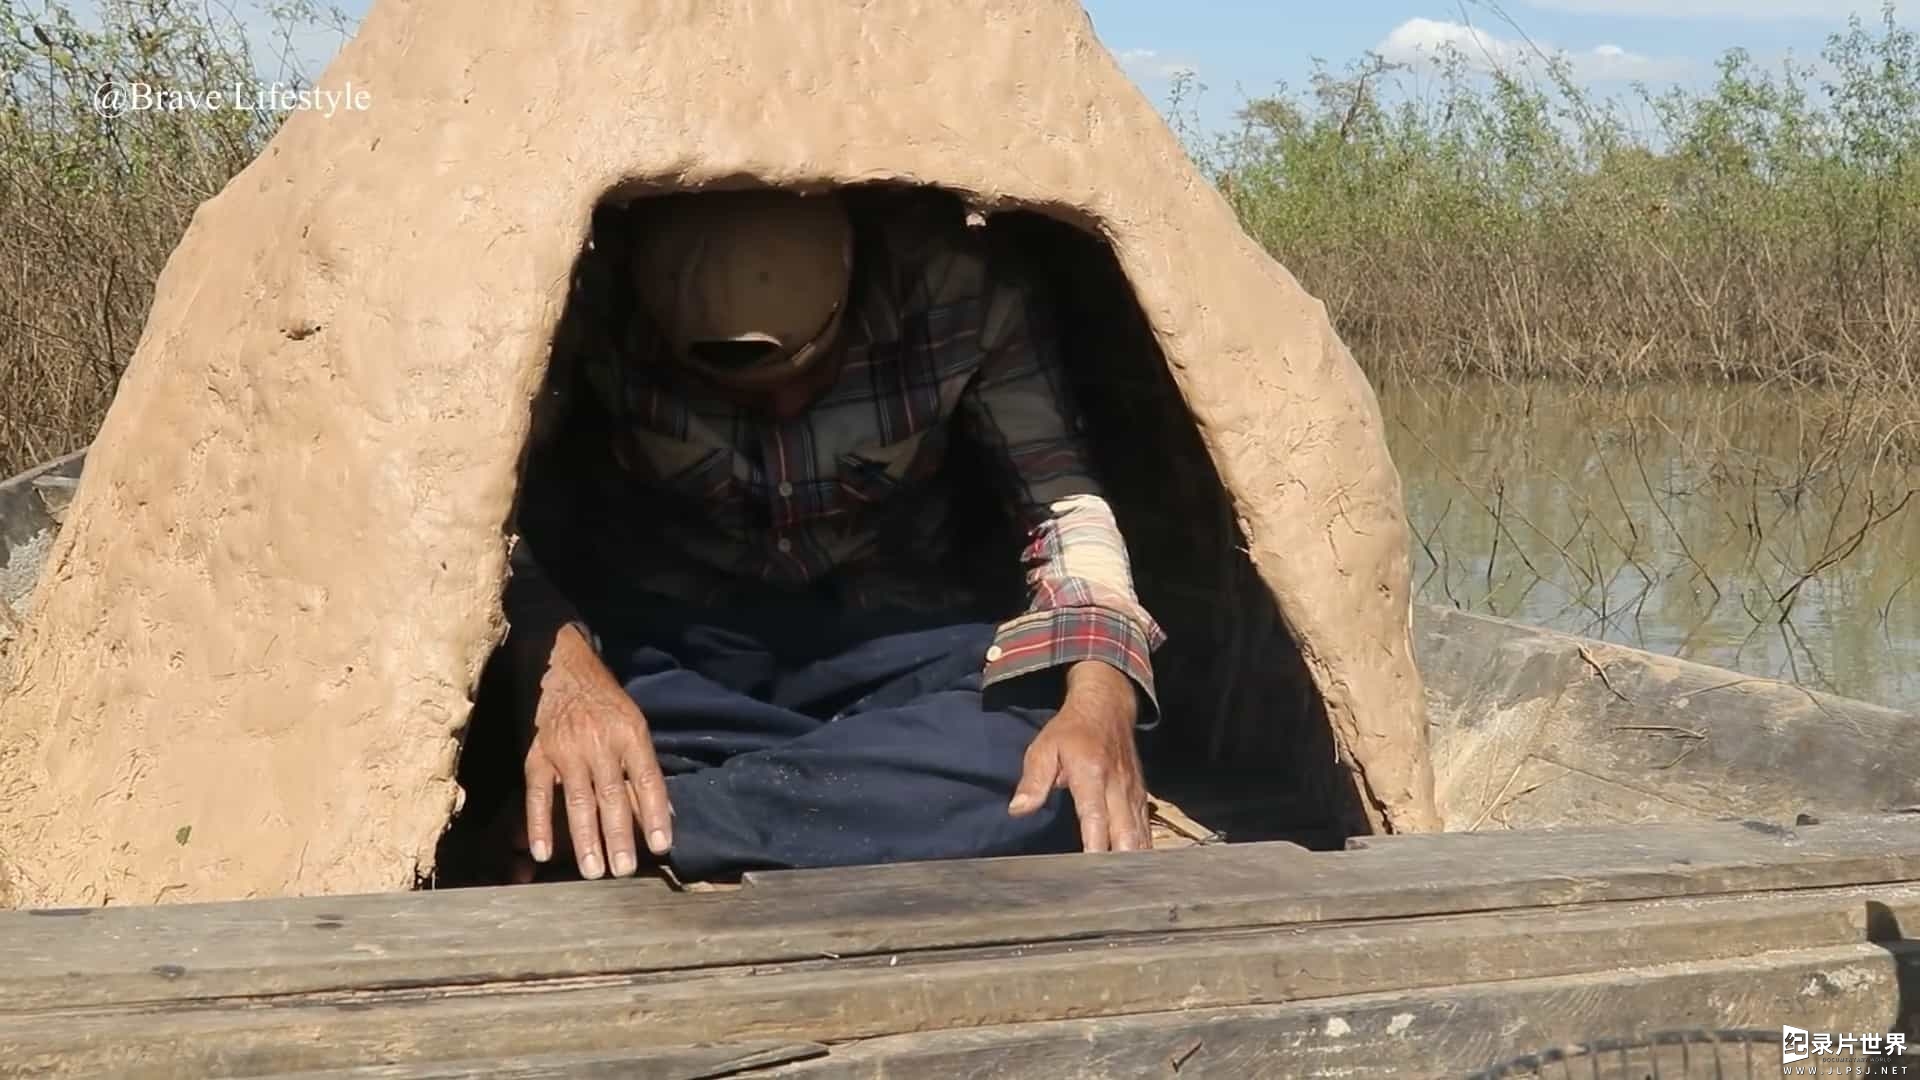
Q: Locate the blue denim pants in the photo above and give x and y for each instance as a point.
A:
(807, 737)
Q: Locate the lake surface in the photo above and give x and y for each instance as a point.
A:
(1723, 525)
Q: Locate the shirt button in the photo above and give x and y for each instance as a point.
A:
(993, 654)
(784, 544)
(786, 490)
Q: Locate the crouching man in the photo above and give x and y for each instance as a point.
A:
(731, 609)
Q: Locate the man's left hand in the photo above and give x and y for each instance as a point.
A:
(1088, 749)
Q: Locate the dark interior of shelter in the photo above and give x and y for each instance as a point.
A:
(1243, 747)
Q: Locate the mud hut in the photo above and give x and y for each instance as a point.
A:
(253, 657)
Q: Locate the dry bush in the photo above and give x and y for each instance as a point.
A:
(1513, 224)
(91, 204)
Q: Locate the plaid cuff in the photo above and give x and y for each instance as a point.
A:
(1055, 638)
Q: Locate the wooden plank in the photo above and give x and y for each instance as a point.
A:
(828, 1001)
(1447, 1032)
(31, 505)
(1691, 858)
(125, 955)
(1532, 728)
(654, 1063)
(1456, 844)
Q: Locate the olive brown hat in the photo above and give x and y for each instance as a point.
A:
(745, 286)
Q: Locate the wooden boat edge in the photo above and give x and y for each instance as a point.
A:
(30, 508)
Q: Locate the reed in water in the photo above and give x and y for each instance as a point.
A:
(1695, 520)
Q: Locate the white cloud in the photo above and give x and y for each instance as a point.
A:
(1823, 10)
(1424, 41)
(1149, 64)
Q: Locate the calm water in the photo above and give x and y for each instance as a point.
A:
(1709, 523)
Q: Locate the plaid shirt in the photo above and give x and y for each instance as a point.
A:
(850, 494)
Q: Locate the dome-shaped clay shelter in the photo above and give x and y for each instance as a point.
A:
(254, 654)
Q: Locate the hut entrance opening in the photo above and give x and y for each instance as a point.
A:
(1243, 751)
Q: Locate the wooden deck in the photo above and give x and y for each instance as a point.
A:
(1417, 956)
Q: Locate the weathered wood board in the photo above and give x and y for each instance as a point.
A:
(309, 945)
(1441, 953)
(652, 1063)
(1532, 728)
(31, 506)
(1446, 1032)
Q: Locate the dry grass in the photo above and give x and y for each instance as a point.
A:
(1515, 225)
(90, 206)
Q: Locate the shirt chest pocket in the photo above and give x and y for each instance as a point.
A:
(690, 470)
(874, 473)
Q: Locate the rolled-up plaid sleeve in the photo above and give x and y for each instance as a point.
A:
(1082, 604)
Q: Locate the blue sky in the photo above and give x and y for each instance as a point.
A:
(1241, 48)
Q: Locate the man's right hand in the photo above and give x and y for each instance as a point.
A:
(591, 740)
